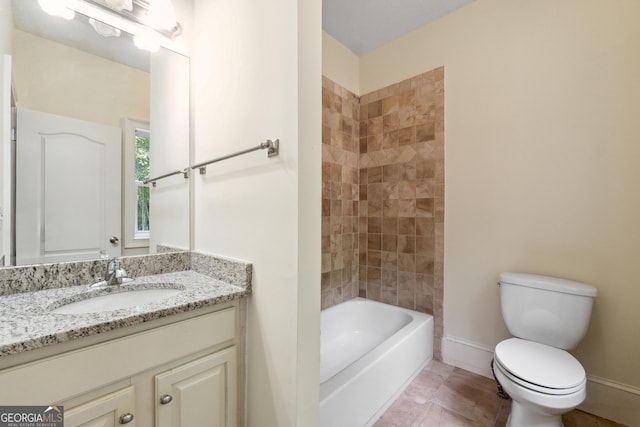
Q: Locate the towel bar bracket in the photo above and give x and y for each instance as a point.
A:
(272, 147)
(184, 172)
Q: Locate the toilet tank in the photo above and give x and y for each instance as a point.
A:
(546, 310)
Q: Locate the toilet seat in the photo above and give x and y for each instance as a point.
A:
(539, 367)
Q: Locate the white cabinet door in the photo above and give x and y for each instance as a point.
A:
(112, 410)
(199, 393)
(68, 175)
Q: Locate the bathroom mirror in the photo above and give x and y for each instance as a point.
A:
(97, 111)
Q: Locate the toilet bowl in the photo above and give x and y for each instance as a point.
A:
(547, 316)
(544, 382)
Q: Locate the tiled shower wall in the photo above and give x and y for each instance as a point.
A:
(340, 131)
(399, 214)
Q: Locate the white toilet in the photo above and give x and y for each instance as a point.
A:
(548, 316)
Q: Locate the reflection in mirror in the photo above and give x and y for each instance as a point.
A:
(90, 112)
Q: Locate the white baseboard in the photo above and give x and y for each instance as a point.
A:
(467, 355)
(605, 398)
(612, 400)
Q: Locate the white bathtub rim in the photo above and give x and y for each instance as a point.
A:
(359, 398)
(363, 365)
(360, 366)
(378, 322)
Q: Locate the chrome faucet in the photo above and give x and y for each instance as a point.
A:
(115, 273)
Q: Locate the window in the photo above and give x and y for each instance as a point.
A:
(142, 139)
(135, 221)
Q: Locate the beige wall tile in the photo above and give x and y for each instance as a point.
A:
(383, 178)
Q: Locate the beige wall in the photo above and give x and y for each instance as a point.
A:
(6, 24)
(542, 157)
(257, 75)
(58, 79)
(340, 64)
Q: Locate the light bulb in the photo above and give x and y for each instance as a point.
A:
(103, 29)
(145, 42)
(57, 8)
(161, 14)
(120, 5)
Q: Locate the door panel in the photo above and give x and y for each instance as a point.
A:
(67, 188)
(6, 167)
(202, 392)
(105, 411)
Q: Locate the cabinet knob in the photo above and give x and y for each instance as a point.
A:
(165, 398)
(126, 418)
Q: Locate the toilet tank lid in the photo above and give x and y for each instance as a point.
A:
(548, 283)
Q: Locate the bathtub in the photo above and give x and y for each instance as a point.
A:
(369, 352)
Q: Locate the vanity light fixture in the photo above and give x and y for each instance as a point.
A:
(57, 8)
(120, 5)
(157, 15)
(152, 23)
(161, 14)
(103, 29)
(146, 42)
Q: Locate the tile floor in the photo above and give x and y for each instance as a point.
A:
(442, 395)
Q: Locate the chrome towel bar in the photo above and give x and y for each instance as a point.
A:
(185, 172)
(272, 147)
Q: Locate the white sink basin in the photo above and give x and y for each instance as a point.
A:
(116, 301)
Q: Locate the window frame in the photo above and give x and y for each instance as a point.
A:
(132, 238)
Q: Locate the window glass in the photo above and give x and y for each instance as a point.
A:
(142, 173)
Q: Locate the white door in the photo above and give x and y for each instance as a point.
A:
(67, 188)
(5, 162)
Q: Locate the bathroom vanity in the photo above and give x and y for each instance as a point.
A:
(170, 362)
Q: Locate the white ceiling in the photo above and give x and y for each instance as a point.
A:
(364, 25)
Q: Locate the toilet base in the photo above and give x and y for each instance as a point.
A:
(521, 416)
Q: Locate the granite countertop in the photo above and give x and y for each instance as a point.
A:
(27, 321)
